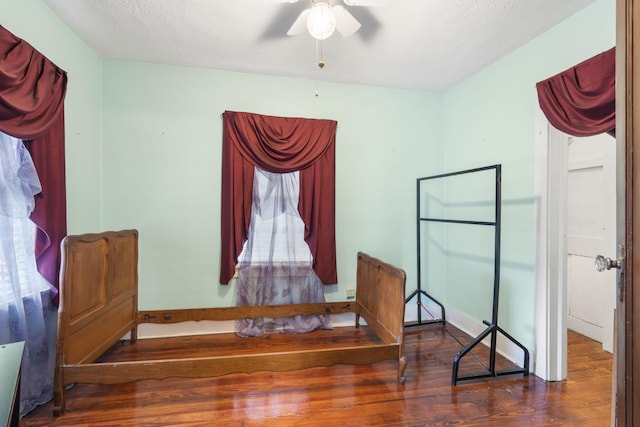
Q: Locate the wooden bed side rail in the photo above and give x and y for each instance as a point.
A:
(213, 366)
(233, 313)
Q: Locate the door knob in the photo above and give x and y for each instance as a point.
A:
(603, 263)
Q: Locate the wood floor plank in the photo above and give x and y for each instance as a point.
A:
(344, 395)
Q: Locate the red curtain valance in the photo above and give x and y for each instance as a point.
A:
(32, 88)
(281, 145)
(32, 92)
(278, 144)
(581, 101)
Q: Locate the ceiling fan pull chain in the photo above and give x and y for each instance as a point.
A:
(319, 49)
(320, 61)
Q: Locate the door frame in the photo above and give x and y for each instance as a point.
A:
(627, 350)
(551, 312)
(551, 264)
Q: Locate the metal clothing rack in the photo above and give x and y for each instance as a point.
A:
(492, 329)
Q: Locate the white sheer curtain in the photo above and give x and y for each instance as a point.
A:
(275, 266)
(24, 296)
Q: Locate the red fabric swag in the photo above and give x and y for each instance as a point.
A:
(32, 91)
(581, 101)
(32, 88)
(281, 145)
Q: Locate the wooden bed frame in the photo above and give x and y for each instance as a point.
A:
(98, 306)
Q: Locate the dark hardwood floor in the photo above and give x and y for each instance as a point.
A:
(355, 395)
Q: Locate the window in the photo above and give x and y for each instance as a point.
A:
(276, 233)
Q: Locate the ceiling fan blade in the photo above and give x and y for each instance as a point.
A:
(300, 24)
(363, 2)
(346, 24)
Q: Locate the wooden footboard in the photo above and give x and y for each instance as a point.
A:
(98, 300)
(98, 305)
(380, 300)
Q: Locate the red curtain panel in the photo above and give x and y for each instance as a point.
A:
(50, 213)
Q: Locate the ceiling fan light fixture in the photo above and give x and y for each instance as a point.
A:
(321, 22)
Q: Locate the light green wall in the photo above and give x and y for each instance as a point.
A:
(32, 21)
(488, 119)
(162, 158)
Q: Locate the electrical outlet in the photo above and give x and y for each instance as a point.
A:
(351, 293)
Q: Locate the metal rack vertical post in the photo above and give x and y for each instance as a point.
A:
(492, 327)
(419, 293)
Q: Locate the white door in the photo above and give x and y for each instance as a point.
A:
(591, 230)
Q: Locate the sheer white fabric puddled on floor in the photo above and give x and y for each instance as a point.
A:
(275, 266)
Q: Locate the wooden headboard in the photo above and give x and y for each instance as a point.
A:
(99, 294)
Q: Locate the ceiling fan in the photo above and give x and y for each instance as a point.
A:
(322, 19)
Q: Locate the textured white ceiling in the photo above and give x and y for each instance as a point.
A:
(414, 44)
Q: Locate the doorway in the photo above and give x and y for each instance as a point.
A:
(557, 308)
(591, 231)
